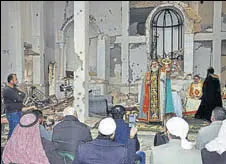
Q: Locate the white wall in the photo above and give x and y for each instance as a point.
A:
(6, 66)
(138, 61)
(107, 15)
(11, 40)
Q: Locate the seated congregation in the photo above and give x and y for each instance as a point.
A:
(117, 143)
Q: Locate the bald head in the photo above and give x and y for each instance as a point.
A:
(70, 111)
(218, 114)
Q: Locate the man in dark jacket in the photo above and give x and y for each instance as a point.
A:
(103, 150)
(13, 101)
(70, 132)
(122, 132)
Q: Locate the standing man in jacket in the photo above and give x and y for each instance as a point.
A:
(13, 101)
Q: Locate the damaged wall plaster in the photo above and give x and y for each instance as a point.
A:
(138, 61)
(202, 50)
(107, 16)
(115, 61)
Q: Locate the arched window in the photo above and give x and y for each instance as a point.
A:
(166, 34)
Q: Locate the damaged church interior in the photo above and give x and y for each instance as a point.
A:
(151, 57)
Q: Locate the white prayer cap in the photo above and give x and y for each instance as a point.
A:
(107, 126)
(179, 127)
(69, 111)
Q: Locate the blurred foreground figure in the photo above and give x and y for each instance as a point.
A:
(178, 150)
(26, 145)
(215, 150)
(103, 150)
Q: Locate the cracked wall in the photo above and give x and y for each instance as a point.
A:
(202, 50)
(223, 16)
(223, 62)
(107, 16)
(138, 61)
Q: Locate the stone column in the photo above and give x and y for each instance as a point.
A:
(81, 43)
(101, 57)
(16, 44)
(60, 43)
(37, 36)
(125, 46)
(217, 36)
(188, 53)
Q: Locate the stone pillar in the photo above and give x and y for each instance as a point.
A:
(16, 44)
(125, 46)
(60, 43)
(37, 41)
(188, 53)
(81, 43)
(217, 36)
(101, 57)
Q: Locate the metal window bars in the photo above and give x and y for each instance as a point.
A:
(166, 19)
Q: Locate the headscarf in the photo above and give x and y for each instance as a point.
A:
(219, 143)
(179, 127)
(25, 146)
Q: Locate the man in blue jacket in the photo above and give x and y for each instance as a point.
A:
(123, 131)
(103, 150)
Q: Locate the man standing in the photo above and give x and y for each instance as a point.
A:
(149, 106)
(208, 133)
(211, 96)
(13, 100)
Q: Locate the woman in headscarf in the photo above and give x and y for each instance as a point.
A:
(26, 145)
(215, 150)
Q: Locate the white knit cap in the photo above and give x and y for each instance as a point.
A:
(179, 127)
(107, 126)
(69, 111)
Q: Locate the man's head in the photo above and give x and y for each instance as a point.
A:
(107, 127)
(218, 114)
(178, 127)
(39, 114)
(154, 66)
(196, 78)
(167, 64)
(70, 111)
(118, 111)
(210, 70)
(12, 79)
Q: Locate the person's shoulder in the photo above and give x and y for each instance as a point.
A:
(214, 77)
(6, 88)
(59, 124)
(83, 125)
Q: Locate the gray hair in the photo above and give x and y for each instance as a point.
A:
(219, 114)
(69, 111)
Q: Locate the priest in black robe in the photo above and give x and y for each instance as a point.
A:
(211, 97)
